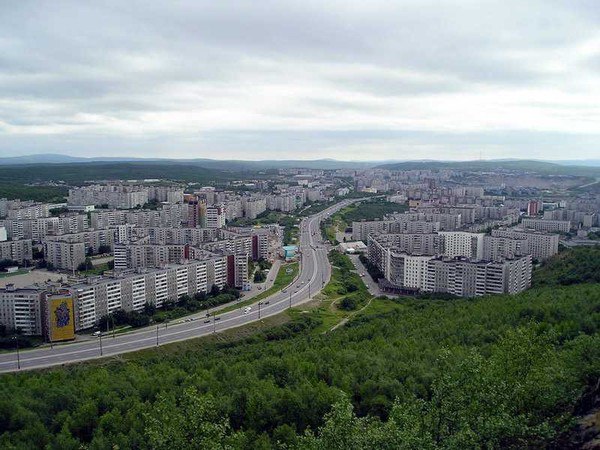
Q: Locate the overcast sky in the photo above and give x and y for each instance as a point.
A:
(301, 79)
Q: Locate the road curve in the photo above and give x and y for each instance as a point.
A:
(315, 271)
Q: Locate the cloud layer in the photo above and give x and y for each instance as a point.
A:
(296, 79)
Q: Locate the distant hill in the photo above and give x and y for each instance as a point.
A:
(543, 167)
(78, 172)
(232, 165)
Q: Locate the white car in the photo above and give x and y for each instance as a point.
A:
(247, 309)
(96, 333)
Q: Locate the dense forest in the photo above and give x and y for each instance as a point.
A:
(491, 372)
(576, 265)
(76, 173)
(13, 191)
(372, 209)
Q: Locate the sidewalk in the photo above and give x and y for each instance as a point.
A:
(371, 285)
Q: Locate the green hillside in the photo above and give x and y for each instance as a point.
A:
(494, 372)
(80, 172)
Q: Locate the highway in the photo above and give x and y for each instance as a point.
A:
(315, 271)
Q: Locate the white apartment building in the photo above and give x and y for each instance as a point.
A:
(216, 216)
(462, 243)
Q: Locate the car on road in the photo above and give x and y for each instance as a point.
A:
(207, 321)
(259, 287)
(284, 291)
(217, 318)
(96, 333)
(247, 309)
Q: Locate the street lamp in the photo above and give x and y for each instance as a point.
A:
(157, 335)
(214, 322)
(290, 298)
(16, 338)
(259, 305)
(100, 341)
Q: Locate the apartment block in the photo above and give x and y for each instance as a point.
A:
(20, 310)
(466, 278)
(64, 255)
(540, 245)
(20, 250)
(554, 226)
(116, 196)
(100, 296)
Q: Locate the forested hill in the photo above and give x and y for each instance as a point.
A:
(493, 372)
(80, 172)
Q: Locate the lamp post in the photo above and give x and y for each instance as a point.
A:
(259, 305)
(16, 338)
(157, 335)
(214, 322)
(290, 298)
(100, 341)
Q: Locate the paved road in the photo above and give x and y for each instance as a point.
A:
(314, 273)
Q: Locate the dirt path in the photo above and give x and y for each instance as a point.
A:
(346, 319)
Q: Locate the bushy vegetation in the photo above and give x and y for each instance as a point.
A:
(490, 372)
(571, 266)
(371, 209)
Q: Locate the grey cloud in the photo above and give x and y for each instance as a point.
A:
(123, 61)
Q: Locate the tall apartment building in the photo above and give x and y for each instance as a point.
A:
(285, 202)
(20, 310)
(253, 206)
(496, 248)
(466, 278)
(36, 229)
(92, 240)
(33, 211)
(553, 226)
(462, 243)
(168, 194)
(540, 245)
(233, 209)
(534, 207)
(215, 216)
(196, 216)
(410, 243)
(64, 255)
(408, 223)
(18, 250)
